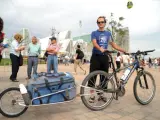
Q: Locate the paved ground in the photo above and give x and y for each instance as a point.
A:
(126, 108)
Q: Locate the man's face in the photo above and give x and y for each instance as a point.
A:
(34, 40)
(53, 41)
(101, 23)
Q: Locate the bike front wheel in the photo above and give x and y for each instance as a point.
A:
(95, 96)
(144, 87)
(10, 100)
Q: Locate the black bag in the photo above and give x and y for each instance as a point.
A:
(81, 55)
(46, 54)
(20, 60)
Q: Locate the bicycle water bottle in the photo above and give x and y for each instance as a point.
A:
(25, 94)
(126, 73)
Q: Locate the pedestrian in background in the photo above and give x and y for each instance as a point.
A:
(78, 60)
(15, 51)
(34, 50)
(118, 60)
(150, 62)
(52, 59)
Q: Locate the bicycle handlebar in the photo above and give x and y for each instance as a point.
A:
(142, 52)
(110, 51)
(137, 53)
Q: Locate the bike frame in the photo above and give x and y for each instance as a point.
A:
(134, 66)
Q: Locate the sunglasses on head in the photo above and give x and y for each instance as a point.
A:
(101, 22)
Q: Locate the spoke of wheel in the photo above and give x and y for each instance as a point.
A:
(103, 81)
(96, 102)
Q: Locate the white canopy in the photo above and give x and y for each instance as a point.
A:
(44, 42)
(64, 45)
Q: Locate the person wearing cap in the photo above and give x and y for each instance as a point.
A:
(15, 50)
(52, 59)
(34, 50)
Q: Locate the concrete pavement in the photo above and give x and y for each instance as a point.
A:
(126, 108)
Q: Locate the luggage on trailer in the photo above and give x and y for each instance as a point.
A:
(51, 88)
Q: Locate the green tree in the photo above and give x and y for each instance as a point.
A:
(117, 28)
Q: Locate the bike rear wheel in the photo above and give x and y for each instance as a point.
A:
(144, 88)
(101, 98)
(9, 102)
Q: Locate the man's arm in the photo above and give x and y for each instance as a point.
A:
(115, 46)
(97, 46)
(76, 54)
(49, 49)
(29, 48)
(56, 50)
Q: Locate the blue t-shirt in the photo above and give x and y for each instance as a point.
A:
(102, 38)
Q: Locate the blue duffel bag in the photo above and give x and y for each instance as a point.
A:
(50, 88)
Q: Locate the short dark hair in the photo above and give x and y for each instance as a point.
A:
(53, 38)
(78, 46)
(118, 54)
(103, 18)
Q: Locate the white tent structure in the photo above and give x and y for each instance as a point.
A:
(66, 46)
(44, 42)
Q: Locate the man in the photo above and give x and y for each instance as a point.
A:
(99, 61)
(34, 50)
(78, 60)
(52, 59)
(125, 60)
(150, 62)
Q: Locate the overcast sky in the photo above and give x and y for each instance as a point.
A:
(39, 16)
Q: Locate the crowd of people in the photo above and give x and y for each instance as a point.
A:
(34, 51)
(154, 62)
(126, 60)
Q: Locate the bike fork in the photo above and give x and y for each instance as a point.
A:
(145, 81)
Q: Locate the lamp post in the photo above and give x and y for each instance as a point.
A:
(53, 32)
(112, 25)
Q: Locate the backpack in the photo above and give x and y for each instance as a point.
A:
(81, 55)
(45, 54)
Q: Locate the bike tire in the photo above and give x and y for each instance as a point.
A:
(7, 114)
(82, 90)
(135, 86)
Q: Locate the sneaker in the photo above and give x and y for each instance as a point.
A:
(92, 99)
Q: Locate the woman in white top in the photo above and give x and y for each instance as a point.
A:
(118, 60)
(14, 55)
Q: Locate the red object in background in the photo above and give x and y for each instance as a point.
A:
(1, 36)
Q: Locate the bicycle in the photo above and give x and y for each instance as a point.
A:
(108, 87)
